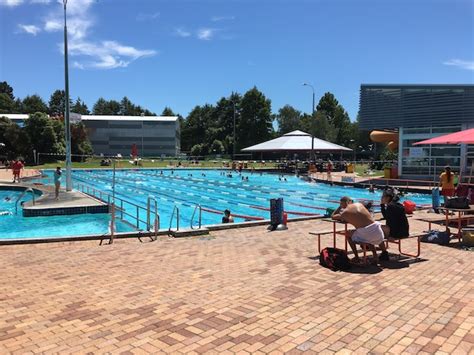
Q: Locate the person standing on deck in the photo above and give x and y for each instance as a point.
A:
(57, 182)
(446, 182)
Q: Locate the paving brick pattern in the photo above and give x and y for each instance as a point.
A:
(239, 291)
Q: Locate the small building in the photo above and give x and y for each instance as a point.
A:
(418, 112)
(154, 136)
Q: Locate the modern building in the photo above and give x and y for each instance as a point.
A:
(419, 112)
(154, 136)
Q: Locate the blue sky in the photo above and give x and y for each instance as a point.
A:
(186, 53)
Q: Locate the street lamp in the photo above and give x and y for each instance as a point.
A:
(67, 126)
(355, 149)
(233, 145)
(312, 112)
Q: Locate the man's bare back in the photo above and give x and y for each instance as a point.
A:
(357, 215)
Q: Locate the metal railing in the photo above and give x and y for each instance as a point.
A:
(21, 196)
(198, 207)
(175, 209)
(105, 197)
(156, 225)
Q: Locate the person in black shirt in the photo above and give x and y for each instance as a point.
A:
(394, 214)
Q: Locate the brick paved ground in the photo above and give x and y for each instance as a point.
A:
(6, 175)
(233, 292)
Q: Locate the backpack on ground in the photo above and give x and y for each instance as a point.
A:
(334, 259)
(437, 237)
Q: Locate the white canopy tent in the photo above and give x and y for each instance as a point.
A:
(296, 141)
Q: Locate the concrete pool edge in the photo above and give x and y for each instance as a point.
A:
(130, 235)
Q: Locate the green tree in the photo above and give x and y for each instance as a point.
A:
(18, 107)
(318, 125)
(127, 108)
(80, 143)
(57, 103)
(217, 147)
(289, 119)
(5, 88)
(255, 124)
(42, 135)
(223, 119)
(17, 143)
(113, 107)
(194, 130)
(168, 112)
(80, 107)
(100, 107)
(34, 103)
(7, 105)
(328, 105)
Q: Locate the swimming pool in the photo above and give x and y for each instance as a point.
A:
(15, 226)
(215, 192)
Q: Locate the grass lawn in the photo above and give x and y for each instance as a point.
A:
(361, 169)
(95, 163)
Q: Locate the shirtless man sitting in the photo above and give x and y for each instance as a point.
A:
(367, 230)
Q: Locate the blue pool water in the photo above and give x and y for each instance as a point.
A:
(18, 227)
(215, 193)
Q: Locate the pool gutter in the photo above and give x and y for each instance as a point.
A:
(142, 234)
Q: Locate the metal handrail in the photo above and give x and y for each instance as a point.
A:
(105, 197)
(198, 206)
(157, 216)
(177, 218)
(21, 196)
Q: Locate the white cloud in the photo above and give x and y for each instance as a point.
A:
(52, 26)
(148, 17)
(42, 2)
(222, 18)
(11, 3)
(463, 64)
(31, 29)
(205, 34)
(88, 53)
(182, 33)
(106, 54)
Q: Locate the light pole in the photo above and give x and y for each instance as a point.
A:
(67, 126)
(312, 112)
(233, 145)
(354, 155)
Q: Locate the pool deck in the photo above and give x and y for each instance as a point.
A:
(73, 202)
(6, 175)
(66, 200)
(232, 292)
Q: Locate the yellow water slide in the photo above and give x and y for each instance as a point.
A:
(391, 138)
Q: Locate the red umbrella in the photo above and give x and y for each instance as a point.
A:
(466, 137)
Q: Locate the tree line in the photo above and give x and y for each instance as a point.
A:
(209, 128)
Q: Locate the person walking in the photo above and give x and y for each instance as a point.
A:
(446, 182)
(57, 182)
(17, 167)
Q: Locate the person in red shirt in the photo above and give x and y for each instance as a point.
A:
(17, 166)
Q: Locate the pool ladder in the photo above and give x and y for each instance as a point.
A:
(198, 207)
(21, 196)
(175, 209)
(156, 222)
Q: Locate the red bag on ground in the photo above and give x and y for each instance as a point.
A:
(410, 206)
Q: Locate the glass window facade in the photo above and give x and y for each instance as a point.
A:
(428, 160)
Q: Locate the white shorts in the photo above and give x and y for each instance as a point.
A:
(371, 234)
